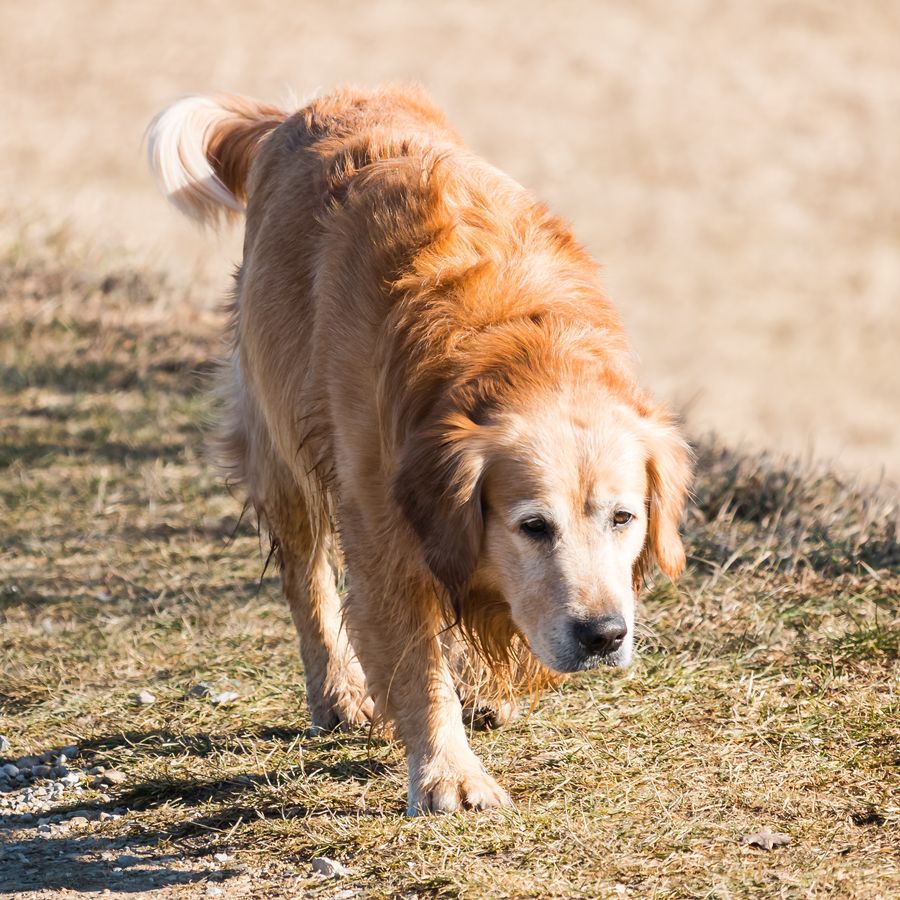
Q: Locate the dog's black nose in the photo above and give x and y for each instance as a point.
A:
(602, 635)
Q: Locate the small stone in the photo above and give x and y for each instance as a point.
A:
(70, 752)
(145, 698)
(79, 821)
(87, 813)
(41, 771)
(766, 839)
(224, 697)
(221, 857)
(96, 770)
(213, 891)
(201, 689)
(9, 770)
(109, 817)
(59, 771)
(5, 745)
(44, 829)
(71, 778)
(113, 777)
(27, 762)
(330, 868)
(46, 758)
(125, 860)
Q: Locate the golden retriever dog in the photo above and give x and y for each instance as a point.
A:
(428, 387)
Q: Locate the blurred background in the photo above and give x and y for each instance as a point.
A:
(734, 166)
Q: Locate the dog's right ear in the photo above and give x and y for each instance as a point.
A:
(438, 488)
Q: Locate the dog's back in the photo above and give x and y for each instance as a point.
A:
(292, 175)
(350, 202)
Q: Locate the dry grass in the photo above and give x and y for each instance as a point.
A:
(765, 693)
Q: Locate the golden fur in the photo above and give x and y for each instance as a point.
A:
(427, 385)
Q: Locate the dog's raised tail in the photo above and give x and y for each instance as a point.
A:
(200, 150)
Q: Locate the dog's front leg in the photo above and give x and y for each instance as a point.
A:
(407, 673)
(444, 773)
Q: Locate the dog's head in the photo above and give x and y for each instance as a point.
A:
(558, 507)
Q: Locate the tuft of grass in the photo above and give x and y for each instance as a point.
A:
(754, 511)
(765, 692)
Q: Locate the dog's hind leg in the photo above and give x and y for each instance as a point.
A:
(306, 547)
(296, 515)
(335, 684)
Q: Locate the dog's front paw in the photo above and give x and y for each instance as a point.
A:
(446, 787)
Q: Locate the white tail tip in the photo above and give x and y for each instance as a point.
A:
(177, 142)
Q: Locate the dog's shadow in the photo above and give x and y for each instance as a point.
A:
(135, 861)
(94, 863)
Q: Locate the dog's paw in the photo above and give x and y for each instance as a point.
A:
(453, 789)
(343, 706)
(488, 717)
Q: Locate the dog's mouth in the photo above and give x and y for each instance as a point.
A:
(577, 660)
(586, 662)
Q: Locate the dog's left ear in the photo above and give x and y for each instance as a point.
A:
(438, 488)
(669, 474)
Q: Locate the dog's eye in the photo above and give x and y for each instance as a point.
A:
(536, 527)
(621, 518)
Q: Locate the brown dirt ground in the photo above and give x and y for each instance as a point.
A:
(733, 165)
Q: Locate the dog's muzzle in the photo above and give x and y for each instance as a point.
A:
(596, 642)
